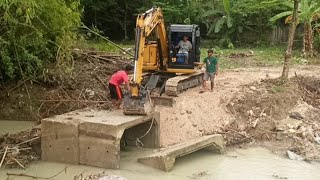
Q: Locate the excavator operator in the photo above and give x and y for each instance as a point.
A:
(185, 47)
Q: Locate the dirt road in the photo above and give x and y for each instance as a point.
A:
(195, 112)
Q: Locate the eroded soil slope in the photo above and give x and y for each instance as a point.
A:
(248, 105)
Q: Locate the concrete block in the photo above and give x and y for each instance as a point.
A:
(59, 140)
(100, 135)
(99, 152)
(99, 144)
(92, 137)
(165, 159)
(101, 130)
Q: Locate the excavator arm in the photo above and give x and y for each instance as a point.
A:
(138, 101)
(151, 21)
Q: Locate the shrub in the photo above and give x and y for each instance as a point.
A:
(34, 32)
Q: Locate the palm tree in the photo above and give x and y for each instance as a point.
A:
(309, 14)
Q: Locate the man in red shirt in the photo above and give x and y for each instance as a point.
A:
(118, 78)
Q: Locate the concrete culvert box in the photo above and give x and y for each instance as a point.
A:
(91, 137)
(143, 135)
(99, 137)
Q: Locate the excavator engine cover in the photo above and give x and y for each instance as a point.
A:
(142, 105)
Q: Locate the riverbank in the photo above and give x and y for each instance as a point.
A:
(244, 163)
(248, 107)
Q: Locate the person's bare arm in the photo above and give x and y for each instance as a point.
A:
(128, 86)
(200, 64)
(126, 81)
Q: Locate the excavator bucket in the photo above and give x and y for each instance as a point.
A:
(137, 105)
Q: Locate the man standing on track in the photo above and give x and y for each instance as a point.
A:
(116, 80)
(212, 66)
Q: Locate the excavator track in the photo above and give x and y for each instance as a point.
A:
(178, 84)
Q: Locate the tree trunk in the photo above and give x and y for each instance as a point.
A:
(125, 30)
(288, 54)
(308, 41)
(95, 17)
(125, 23)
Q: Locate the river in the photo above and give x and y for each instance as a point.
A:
(248, 164)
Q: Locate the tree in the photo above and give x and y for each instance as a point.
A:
(216, 16)
(223, 20)
(288, 53)
(116, 18)
(308, 15)
(34, 32)
(227, 20)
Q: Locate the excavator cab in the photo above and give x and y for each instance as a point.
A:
(176, 59)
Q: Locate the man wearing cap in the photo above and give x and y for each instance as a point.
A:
(212, 66)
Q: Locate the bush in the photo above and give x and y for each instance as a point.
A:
(34, 32)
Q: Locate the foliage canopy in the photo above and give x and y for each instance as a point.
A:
(33, 32)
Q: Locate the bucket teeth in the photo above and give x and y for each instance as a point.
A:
(137, 105)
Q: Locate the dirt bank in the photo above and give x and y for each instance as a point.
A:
(243, 108)
(56, 92)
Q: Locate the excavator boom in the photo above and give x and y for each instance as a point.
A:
(138, 101)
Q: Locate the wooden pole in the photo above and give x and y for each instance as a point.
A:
(108, 40)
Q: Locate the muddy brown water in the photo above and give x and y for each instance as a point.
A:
(15, 126)
(253, 163)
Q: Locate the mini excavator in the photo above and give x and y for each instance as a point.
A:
(158, 64)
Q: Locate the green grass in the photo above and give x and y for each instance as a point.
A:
(261, 57)
(271, 56)
(102, 45)
(277, 89)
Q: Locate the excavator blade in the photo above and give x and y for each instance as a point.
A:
(137, 105)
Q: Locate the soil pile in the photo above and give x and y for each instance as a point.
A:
(240, 102)
(310, 90)
(257, 109)
(275, 112)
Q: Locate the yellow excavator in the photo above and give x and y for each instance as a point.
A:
(158, 62)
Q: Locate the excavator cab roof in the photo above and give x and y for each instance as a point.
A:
(183, 28)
